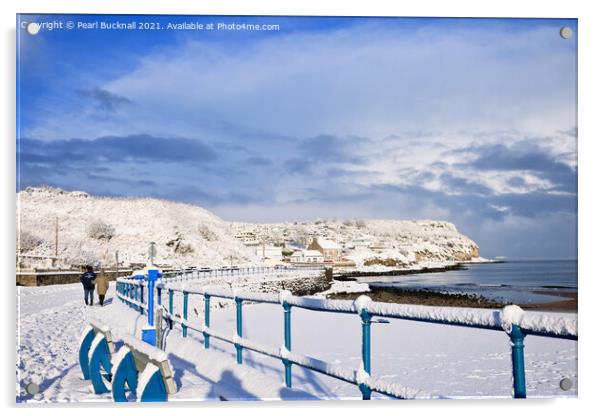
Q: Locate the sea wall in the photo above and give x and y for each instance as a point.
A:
(60, 278)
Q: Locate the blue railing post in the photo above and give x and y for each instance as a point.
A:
(170, 306)
(207, 318)
(518, 362)
(185, 314)
(288, 378)
(149, 334)
(141, 299)
(366, 317)
(238, 329)
(159, 302)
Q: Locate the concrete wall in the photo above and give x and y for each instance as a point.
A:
(60, 278)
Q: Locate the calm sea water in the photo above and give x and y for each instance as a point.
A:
(512, 281)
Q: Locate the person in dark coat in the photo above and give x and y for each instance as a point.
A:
(87, 280)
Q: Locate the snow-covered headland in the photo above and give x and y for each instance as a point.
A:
(92, 229)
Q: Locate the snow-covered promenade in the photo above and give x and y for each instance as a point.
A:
(437, 359)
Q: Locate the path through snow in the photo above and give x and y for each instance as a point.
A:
(437, 359)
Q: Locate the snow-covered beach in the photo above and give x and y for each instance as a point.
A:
(437, 360)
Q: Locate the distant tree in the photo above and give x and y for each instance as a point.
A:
(100, 230)
(206, 233)
(28, 241)
(359, 223)
(81, 257)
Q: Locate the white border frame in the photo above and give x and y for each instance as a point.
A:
(590, 207)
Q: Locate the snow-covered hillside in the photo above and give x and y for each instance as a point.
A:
(376, 243)
(92, 229)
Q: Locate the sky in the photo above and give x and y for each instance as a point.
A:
(472, 121)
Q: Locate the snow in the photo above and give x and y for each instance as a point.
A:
(285, 296)
(144, 271)
(511, 315)
(144, 378)
(431, 360)
(184, 234)
(222, 377)
(188, 235)
(361, 303)
(99, 325)
(220, 292)
(361, 377)
(350, 286)
(328, 244)
(97, 340)
(259, 297)
(117, 358)
(151, 352)
(557, 323)
(316, 303)
(284, 352)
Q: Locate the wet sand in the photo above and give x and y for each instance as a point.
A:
(562, 305)
(432, 298)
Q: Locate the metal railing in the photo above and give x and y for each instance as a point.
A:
(131, 292)
(205, 273)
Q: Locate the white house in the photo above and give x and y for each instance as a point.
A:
(269, 252)
(307, 256)
(361, 241)
(248, 238)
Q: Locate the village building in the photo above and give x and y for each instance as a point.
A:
(248, 238)
(329, 249)
(307, 257)
(269, 252)
(361, 241)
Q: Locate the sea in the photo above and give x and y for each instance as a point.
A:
(513, 281)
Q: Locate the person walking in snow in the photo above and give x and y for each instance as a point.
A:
(102, 285)
(87, 280)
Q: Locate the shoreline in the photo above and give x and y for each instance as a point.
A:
(427, 297)
(351, 275)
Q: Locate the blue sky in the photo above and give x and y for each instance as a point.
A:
(467, 120)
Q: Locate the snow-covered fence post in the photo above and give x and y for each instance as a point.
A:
(185, 315)
(159, 302)
(207, 318)
(159, 328)
(149, 334)
(170, 291)
(141, 288)
(287, 343)
(132, 292)
(363, 374)
(518, 362)
(365, 315)
(237, 345)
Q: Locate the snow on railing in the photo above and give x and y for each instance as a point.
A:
(205, 273)
(511, 319)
